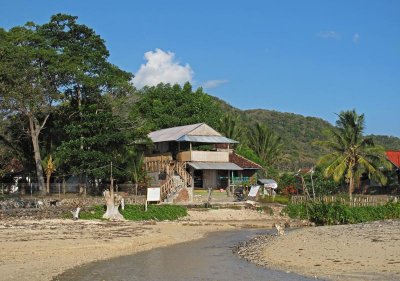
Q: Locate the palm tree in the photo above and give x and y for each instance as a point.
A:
(265, 143)
(351, 153)
(231, 126)
(135, 163)
(49, 165)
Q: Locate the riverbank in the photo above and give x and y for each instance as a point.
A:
(34, 249)
(368, 251)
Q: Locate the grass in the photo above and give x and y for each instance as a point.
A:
(281, 199)
(337, 213)
(137, 212)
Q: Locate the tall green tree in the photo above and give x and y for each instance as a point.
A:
(265, 143)
(60, 61)
(28, 82)
(94, 141)
(165, 106)
(351, 153)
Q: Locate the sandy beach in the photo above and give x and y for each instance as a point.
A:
(369, 251)
(41, 249)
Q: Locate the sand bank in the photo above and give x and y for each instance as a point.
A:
(368, 251)
(41, 249)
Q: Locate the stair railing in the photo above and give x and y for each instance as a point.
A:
(170, 167)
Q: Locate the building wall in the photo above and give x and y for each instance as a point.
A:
(209, 178)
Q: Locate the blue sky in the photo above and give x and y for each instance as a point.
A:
(314, 58)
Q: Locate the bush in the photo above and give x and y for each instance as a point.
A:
(137, 213)
(337, 213)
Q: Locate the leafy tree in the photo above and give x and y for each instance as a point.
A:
(58, 61)
(93, 142)
(84, 71)
(28, 83)
(265, 143)
(351, 154)
(165, 106)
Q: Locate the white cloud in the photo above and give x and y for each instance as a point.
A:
(162, 67)
(329, 35)
(213, 83)
(356, 38)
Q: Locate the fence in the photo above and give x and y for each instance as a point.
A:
(60, 188)
(356, 201)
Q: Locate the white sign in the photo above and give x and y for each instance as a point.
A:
(253, 191)
(153, 194)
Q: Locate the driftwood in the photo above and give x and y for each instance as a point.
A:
(113, 201)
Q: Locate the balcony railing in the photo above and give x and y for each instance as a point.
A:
(203, 156)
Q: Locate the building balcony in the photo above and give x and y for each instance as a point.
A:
(203, 156)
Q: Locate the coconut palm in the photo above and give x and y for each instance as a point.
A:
(231, 126)
(265, 143)
(351, 153)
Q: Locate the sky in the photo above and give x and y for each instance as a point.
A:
(314, 58)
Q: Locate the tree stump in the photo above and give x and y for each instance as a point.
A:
(113, 201)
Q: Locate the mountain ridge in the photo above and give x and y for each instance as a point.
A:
(298, 132)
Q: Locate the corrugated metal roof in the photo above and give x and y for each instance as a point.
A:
(172, 134)
(266, 181)
(207, 139)
(214, 166)
(199, 132)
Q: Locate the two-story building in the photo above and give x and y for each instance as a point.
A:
(195, 156)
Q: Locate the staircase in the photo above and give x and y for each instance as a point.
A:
(177, 177)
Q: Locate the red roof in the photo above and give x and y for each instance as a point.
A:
(394, 157)
(243, 162)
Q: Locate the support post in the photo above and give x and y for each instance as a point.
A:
(228, 189)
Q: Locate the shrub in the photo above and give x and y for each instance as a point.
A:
(337, 213)
(289, 190)
(137, 212)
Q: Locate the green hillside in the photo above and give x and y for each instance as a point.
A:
(298, 134)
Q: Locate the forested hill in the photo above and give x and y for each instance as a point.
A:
(298, 133)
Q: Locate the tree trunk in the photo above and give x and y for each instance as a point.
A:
(113, 201)
(136, 188)
(34, 129)
(351, 187)
(64, 186)
(48, 183)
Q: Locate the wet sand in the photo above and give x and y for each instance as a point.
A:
(41, 249)
(368, 251)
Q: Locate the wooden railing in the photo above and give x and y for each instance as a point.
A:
(180, 168)
(157, 163)
(170, 168)
(167, 188)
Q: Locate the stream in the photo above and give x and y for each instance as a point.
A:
(210, 258)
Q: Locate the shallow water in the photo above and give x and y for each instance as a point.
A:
(210, 258)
